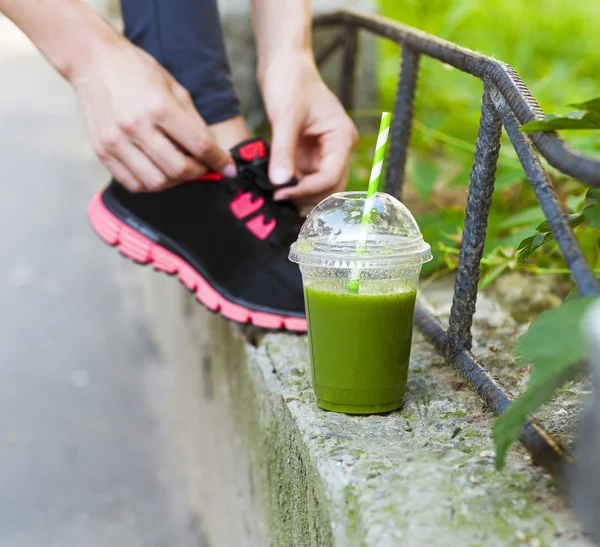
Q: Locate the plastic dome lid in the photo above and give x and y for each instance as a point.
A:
(334, 235)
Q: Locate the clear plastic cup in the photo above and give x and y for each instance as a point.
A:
(360, 283)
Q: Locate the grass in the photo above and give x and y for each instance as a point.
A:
(551, 43)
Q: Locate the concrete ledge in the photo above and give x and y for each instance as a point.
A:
(275, 470)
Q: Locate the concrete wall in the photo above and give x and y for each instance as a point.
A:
(274, 470)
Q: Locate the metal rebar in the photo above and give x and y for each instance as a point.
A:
(550, 145)
(348, 74)
(543, 448)
(561, 230)
(506, 98)
(402, 121)
(479, 202)
(331, 47)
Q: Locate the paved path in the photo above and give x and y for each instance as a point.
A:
(84, 460)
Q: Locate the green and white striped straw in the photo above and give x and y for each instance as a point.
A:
(374, 180)
(372, 189)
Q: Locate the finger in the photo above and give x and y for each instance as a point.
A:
(283, 151)
(168, 158)
(331, 175)
(184, 125)
(141, 166)
(123, 175)
(310, 195)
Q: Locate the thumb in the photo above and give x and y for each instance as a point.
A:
(282, 164)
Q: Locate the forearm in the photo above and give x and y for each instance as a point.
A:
(67, 32)
(282, 28)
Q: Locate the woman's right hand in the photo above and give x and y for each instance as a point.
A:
(143, 123)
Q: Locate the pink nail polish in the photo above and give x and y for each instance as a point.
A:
(229, 171)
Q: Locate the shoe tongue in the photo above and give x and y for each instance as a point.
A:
(250, 150)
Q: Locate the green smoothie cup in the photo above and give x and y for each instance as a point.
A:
(360, 283)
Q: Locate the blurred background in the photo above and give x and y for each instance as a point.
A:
(87, 456)
(552, 45)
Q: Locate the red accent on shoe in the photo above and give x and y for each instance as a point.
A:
(243, 206)
(141, 249)
(258, 227)
(210, 176)
(253, 150)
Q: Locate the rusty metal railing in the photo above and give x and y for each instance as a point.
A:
(506, 103)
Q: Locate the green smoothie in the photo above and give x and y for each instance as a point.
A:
(360, 348)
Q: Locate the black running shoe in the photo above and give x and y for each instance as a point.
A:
(226, 238)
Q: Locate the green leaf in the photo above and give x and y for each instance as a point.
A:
(554, 347)
(526, 216)
(587, 237)
(508, 425)
(524, 248)
(574, 202)
(574, 219)
(589, 106)
(554, 340)
(492, 275)
(573, 295)
(592, 197)
(532, 243)
(508, 179)
(510, 241)
(554, 122)
(592, 213)
(423, 174)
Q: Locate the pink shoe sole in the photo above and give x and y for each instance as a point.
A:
(142, 250)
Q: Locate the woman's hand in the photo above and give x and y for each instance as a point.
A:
(312, 134)
(143, 124)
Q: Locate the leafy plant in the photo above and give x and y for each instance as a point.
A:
(590, 212)
(423, 172)
(560, 48)
(555, 350)
(444, 132)
(553, 344)
(544, 235)
(445, 124)
(586, 117)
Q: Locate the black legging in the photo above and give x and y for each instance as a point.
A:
(185, 36)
